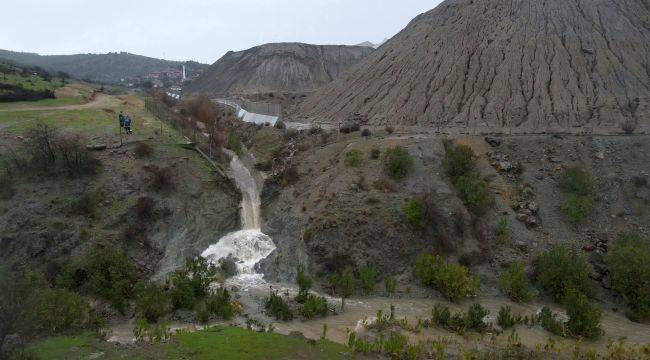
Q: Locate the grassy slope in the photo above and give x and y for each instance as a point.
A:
(214, 343)
(30, 82)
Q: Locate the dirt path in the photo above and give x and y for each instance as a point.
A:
(99, 101)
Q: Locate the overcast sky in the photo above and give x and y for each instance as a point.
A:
(201, 30)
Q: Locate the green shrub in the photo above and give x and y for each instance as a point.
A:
(414, 212)
(347, 283)
(629, 265)
(440, 315)
(151, 303)
(398, 163)
(367, 277)
(514, 283)
(334, 281)
(234, 143)
(458, 323)
(278, 308)
(452, 280)
(584, 318)
(314, 306)
(560, 270)
(110, 275)
(577, 181)
(459, 164)
(473, 190)
(549, 322)
(200, 274)
(579, 185)
(455, 282)
(219, 304)
(475, 315)
(153, 333)
(577, 208)
(505, 318)
(502, 231)
(56, 310)
(425, 268)
(182, 293)
(391, 285)
(304, 284)
(459, 160)
(353, 158)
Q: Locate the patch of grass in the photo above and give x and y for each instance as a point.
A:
(64, 347)
(217, 342)
(577, 208)
(367, 277)
(391, 285)
(577, 181)
(580, 187)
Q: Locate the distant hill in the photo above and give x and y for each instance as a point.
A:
(371, 44)
(490, 65)
(279, 67)
(108, 68)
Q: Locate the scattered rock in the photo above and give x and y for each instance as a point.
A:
(96, 147)
(642, 194)
(494, 142)
(600, 155)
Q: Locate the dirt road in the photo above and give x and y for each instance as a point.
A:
(98, 101)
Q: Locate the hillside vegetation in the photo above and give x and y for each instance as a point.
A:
(106, 68)
(27, 83)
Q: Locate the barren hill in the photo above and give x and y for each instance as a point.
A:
(283, 67)
(523, 65)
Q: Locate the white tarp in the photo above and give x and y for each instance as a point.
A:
(256, 118)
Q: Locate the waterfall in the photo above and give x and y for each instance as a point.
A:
(248, 246)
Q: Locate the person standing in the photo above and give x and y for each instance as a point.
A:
(121, 117)
(127, 124)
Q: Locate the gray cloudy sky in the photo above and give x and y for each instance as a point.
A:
(200, 30)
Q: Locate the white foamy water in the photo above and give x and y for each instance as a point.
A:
(249, 246)
(250, 203)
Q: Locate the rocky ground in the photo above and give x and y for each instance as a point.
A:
(331, 216)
